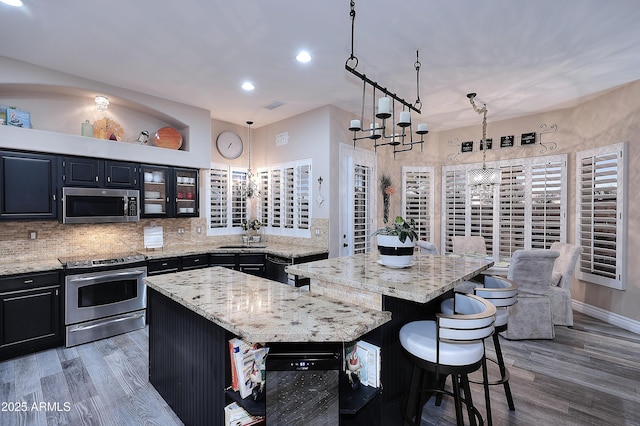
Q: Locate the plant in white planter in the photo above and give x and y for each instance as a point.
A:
(396, 242)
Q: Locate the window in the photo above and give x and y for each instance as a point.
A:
(601, 215)
(227, 205)
(417, 199)
(284, 206)
(527, 210)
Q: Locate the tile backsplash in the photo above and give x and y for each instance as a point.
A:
(55, 240)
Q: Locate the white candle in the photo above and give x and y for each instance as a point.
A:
(355, 125)
(422, 127)
(374, 127)
(384, 105)
(405, 117)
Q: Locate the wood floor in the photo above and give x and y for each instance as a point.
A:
(588, 375)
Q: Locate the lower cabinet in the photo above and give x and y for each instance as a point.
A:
(163, 266)
(30, 309)
(195, 261)
(253, 264)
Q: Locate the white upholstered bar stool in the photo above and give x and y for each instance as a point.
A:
(453, 345)
(502, 293)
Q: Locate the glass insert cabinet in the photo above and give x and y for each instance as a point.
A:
(169, 192)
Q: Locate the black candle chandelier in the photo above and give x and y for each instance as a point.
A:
(384, 132)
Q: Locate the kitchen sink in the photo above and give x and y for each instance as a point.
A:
(234, 246)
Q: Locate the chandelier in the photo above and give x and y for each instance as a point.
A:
(249, 188)
(102, 103)
(482, 181)
(384, 128)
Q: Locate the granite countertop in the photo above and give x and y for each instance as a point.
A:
(27, 267)
(260, 310)
(9, 267)
(284, 250)
(428, 277)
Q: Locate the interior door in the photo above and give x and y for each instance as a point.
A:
(357, 201)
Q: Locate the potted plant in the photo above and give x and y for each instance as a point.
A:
(251, 228)
(396, 242)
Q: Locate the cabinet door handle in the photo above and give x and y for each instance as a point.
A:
(28, 281)
(108, 178)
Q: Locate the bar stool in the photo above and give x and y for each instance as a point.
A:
(453, 345)
(502, 293)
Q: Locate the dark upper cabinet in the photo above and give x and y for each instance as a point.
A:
(27, 186)
(168, 191)
(96, 173)
(119, 174)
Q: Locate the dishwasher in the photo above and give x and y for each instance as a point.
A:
(275, 266)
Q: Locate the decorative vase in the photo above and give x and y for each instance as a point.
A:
(393, 252)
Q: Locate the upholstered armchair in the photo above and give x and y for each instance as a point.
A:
(531, 317)
(471, 244)
(563, 270)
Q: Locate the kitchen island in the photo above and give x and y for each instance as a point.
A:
(193, 314)
(412, 293)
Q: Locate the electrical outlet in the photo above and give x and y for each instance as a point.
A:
(180, 231)
(33, 235)
(199, 229)
(317, 232)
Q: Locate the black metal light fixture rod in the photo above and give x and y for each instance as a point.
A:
(366, 79)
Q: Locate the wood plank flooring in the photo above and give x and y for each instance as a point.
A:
(588, 375)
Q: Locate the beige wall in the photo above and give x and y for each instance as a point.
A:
(610, 118)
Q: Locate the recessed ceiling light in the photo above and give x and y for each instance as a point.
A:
(247, 85)
(12, 2)
(303, 56)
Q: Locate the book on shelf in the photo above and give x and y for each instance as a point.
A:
(247, 360)
(364, 358)
(235, 415)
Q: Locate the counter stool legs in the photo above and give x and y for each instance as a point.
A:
(504, 373)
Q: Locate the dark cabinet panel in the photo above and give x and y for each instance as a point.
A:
(227, 260)
(253, 264)
(30, 313)
(27, 186)
(121, 175)
(195, 261)
(163, 266)
(80, 171)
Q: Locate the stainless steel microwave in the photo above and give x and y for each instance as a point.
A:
(100, 205)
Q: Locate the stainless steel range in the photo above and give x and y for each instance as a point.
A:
(104, 296)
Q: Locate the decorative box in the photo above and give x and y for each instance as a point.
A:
(18, 118)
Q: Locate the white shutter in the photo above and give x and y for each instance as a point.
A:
(238, 198)
(361, 202)
(454, 185)
(289, 197)
(512, 201)
(265, 196)
(547, 211)
(303, 195)
(276, 198)
(601, 215)
(417, 199)
(219, 196)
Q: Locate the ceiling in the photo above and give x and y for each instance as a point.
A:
(520, 57)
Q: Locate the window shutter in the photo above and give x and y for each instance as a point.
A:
(362, 189)
(219, 188)
(265, 196)
(238, 199)
(276, 198)
(289, 196)
(600, 215)
(455, 190)
(547, 213)
(512, 210)
(303, 194)
(417, 193)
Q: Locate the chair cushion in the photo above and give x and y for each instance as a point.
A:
(419, 339)
(556, 277)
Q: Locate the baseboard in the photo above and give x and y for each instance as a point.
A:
(606, 316)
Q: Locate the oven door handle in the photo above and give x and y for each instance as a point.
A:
(107, 277)
(101, 323)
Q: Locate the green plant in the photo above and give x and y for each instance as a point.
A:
(254, 225)
(401, 229)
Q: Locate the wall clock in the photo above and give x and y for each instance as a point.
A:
(229, 145)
